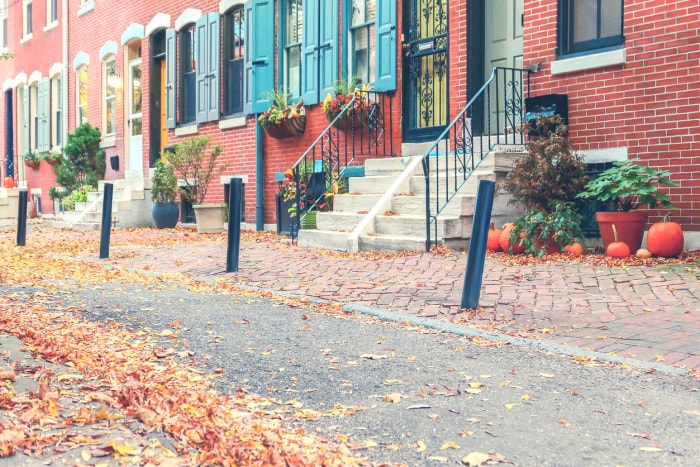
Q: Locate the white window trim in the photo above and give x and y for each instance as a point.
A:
(25, 35)
(589, 61)
(108, 136)
(86, 7)
(77, 95)
(52, 24)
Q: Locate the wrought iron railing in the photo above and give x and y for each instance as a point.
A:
(494, 114)
(361, 130)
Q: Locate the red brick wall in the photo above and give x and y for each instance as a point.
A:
(36, 54)
(651, 104)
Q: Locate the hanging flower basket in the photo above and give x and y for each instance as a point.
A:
(287, 128)
(53, 159)
(32, 164)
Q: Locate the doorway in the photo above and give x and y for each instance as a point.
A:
(135, 116)
(425, 69)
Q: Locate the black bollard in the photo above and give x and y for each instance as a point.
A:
(106, 220)
(22, 218)
(477, 244)
(234, 224)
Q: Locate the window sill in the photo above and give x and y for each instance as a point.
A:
(236, 122)
(108, 142)
(86, 8)
(26, 38)
(187, 130)
(588, 62)
(50, 26)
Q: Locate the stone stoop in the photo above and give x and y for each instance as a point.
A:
(9, 203)
(403, 227)
(131, 206)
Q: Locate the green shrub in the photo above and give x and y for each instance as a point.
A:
(84, 161)
(547, 230)
(79, 195)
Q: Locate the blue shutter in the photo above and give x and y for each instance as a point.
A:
(201, 66)
(328, 47)
(309, 59)
(207, 72)
(43, 105)
(247, 59)
(213, 64)
(260, 52)
(25, 115)
(170, 67)
(386, 46)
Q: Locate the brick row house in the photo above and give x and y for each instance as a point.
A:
(148, 74)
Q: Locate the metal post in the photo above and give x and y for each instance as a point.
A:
(22, 218)
(106, 220)
(234, 224)
(477, 244)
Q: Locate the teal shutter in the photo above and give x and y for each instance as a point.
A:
(25, 119)
(260, 52)
(327, 47)
(309, 47)
(386, 46)
(43, 104)
(207, 72)
(170, 67)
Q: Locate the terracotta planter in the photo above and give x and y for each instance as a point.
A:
(32, 164)
(210, 217)
(630, 227)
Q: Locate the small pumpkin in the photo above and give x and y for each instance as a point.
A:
(575, 249)
(493, 241)
(518, 246)
(9, 182)
(643, 253)
(617, 249)
(665, 238)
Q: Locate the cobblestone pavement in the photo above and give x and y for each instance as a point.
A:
(641, 312)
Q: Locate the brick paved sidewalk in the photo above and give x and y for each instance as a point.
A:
(647, 313)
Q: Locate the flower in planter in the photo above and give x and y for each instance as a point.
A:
(343, 93)
(283, 118)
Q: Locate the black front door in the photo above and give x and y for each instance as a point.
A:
(425, 69)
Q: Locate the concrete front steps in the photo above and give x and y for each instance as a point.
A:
(359, 220)
(131, 205)
(9, 202)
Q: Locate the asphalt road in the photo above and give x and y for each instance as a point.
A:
(414, 395)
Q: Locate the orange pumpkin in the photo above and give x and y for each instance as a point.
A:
(575, 249)
(617, 249)
(9, 182)
(665, 238)
(518, 246)
(493, 241)
(643, 253)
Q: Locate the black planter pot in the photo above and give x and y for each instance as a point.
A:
(165, 216)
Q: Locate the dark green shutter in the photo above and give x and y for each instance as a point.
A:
(386, 46)
(170, 67)
(207, 73)
(260, 52)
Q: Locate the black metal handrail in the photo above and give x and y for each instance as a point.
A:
(360, 130)
(495, 112)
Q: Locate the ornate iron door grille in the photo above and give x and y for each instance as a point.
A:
(426, 81)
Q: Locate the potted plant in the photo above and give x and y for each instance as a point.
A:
(284, 119)
(196, 167)
(52, 157)
(164, 194)
(32, 160)
(627, 186)
(547, 231)
(362, 112)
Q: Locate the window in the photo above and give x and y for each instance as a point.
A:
(188, 69)
(589, 25)
(51, 11)
(27, 18)
(3, 24)
(33, 117)
(111, 81)
(363, 40)
(82, 93)
(234, 53)
(292, 49)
